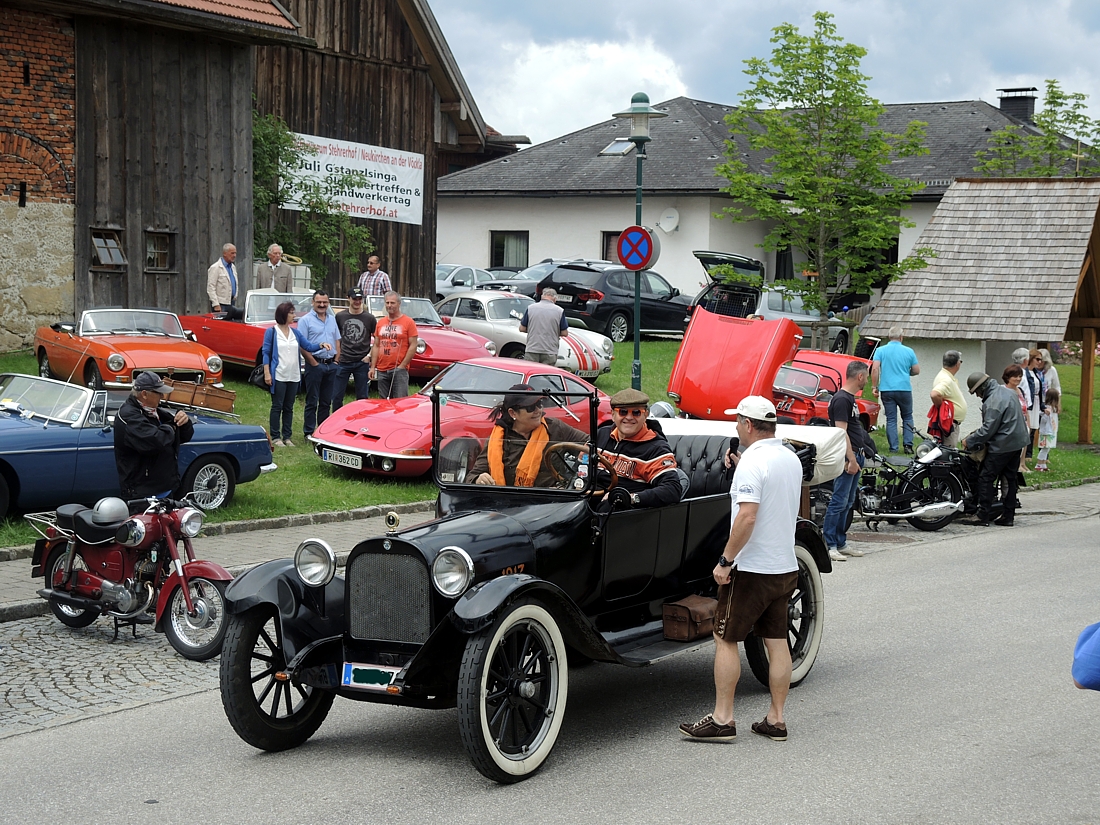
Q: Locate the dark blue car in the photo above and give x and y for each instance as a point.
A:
(56, 447)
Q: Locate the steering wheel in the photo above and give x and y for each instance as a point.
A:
(563, 446)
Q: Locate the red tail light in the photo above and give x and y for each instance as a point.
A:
(590, 295)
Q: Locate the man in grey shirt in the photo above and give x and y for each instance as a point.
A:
(544, 324)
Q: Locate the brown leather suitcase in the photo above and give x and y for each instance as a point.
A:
(689, 619)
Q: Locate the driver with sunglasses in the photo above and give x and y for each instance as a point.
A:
(639, 452)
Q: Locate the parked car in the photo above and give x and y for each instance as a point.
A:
(394, 437)
(109, 346)
(453, 277)
(601, 296)
(485, 607)
(497, 316)
(768, 302)
(706, 383)
(438, 346)
(57, 447)
(240, 342)
(526, 281)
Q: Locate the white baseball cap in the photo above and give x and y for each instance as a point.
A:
(755, 407)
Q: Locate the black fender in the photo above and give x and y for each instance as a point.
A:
(809, 535)
(305, 614)
(479, 607)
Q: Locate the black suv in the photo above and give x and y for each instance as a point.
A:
(602, 297)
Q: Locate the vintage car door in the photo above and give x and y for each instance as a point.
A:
(65, 350)
(642, 552)
(96, 475)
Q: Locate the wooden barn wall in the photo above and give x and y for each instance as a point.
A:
(164, 144)
(367, 83)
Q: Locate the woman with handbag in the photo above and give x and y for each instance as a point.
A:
(283, 371)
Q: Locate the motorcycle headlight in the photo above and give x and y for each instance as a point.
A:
(452, 571)
(315, 562)
(130, 533)
(421, 346)
(490, 348)
(214, 363)
(608, 347)
(115, 362)
(190, 522)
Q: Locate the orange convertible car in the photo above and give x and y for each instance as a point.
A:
(109, 346)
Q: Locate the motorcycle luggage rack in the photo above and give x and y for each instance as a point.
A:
(40, 522)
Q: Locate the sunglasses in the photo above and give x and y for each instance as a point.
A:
(532, 408)
(637, 412)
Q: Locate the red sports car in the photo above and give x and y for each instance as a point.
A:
(723, 359)
(394, 437)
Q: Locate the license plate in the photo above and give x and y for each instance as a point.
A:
(368, 677)
(343, 459)
(589, 373)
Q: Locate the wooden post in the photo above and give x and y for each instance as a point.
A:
(1088, 371)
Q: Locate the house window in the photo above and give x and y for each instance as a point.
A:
(610, 247)
(107, 249)
(159, 252)
(508, 249)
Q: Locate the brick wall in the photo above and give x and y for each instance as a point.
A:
(37, 108)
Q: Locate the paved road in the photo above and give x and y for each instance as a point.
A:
(942, 694)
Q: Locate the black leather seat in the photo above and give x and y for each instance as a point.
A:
(701, 457)
(91, 533)
(66, 515)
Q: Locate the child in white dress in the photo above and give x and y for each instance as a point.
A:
(1048, 427)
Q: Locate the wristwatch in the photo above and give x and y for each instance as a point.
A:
(634, 500)
(724, 562)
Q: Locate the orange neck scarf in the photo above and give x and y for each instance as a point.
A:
(645, 434)
(528, 468)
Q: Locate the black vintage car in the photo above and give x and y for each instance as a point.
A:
(486, 606)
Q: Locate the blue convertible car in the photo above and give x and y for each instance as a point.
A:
(56, 447)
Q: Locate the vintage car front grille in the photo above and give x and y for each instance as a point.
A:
(176, 375)
(389, 598)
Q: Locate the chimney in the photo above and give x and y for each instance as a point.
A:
(1019, 103)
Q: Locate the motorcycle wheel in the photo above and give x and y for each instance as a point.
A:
(71, 616)
(266, 713)
(933, 490)
(197, 637)
(805, 624)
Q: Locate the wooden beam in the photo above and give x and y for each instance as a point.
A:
(1088, 372)
(1094, 323)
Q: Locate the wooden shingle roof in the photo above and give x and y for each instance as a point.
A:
(1009, 260)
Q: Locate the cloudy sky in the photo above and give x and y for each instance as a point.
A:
(546, 69)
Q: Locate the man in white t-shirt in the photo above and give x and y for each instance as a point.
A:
(757, 572)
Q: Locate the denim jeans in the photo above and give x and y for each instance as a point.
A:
(318, 383)
(892, 400)
(282, 409)
(845, 490)
(360, 372)
(393, 384)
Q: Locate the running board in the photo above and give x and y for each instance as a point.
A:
(647, 645)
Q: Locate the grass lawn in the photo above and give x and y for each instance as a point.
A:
(303, 484)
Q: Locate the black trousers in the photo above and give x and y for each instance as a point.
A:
(1005, 466)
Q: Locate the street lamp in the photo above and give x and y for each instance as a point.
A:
(639, 113)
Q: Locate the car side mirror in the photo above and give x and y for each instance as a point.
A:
(675, 292)
(190, 336)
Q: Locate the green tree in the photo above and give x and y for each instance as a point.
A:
(321, 231)
(1062, 144)
(825, 189)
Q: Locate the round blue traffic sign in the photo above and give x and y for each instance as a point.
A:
(638, 247)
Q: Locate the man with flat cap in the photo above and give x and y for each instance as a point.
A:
(639, 452)
(147, 440)
(1003, 433)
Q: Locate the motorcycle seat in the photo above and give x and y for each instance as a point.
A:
(91, 533)
(66, 514)
(898, 460)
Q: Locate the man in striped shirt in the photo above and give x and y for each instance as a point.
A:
(374, 281)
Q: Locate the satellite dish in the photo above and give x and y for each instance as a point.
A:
(670, 219)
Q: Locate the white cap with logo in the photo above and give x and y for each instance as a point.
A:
(755, 407)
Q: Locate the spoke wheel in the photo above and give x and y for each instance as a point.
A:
(92, 376)
(199, 635)
(44, 370)
(512, 690)
(805, 624)
(55, 565)
(267, 713)
(932, 490)
(618, 328)
(212, 481)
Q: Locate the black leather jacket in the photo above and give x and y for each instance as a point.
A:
(147, 451)
(1004, 428)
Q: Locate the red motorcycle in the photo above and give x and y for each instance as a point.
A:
(125, 561)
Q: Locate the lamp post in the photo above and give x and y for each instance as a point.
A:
(639, 113)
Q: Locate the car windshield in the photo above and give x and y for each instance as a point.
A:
(474, 377)
(503, 308)
(791, 381)
(558, 460)
(260, 306)
(420, 310)
(443, 270)
(28, 396)
(130, 322)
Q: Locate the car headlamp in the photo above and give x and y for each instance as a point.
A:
(115, 362)
(452, 571)
(315, 562)
(191, 522)
(421, 346)
(130, 533)
(490, 348)
(608, 347)
(214, 363)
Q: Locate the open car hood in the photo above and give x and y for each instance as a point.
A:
(724, 359)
